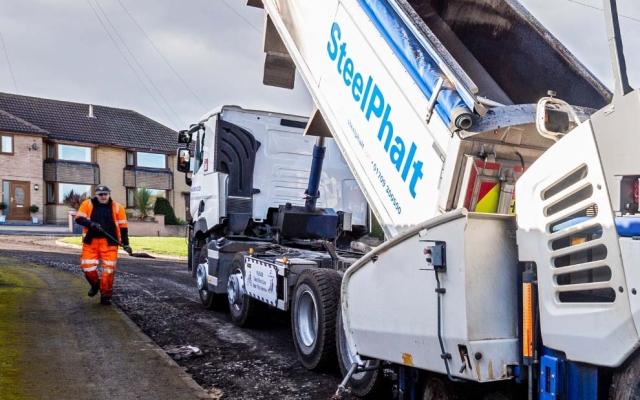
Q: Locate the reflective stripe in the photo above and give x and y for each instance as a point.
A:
(122, 221)
(107, 262)
(88, 261)
(95, 267)
(107, 270)
(81, 214)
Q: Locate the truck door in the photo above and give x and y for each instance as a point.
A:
(204, 203)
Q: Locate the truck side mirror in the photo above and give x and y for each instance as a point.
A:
(184, 160)
(184, 137)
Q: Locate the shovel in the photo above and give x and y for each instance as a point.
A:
(138, 255)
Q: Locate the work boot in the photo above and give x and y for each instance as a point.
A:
(95, 288)
(105, 301)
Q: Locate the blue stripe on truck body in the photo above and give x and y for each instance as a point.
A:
(414, 57)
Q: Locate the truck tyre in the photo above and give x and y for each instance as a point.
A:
(243, 309)
(210, 300)
(368, 384)
(313, 317)
(625, 384)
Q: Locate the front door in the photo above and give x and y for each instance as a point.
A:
(19, 200)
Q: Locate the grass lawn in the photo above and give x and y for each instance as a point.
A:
(172, 246)
(17, 284)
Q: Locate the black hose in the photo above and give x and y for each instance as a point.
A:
(444, 355)
(521, 159)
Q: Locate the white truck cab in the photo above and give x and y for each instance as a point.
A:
(248, 162)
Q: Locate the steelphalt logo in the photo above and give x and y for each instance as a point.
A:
(372, 104)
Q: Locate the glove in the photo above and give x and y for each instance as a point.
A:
(128, 249)
(95, 226)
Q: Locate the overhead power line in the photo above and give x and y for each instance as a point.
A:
(126, 59)
(140, 66)
(6, 55)
(166, 61)
(242, 17)
(600, 9)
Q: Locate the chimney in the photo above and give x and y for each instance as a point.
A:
(90, 115)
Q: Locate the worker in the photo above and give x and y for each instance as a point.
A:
(104, 228)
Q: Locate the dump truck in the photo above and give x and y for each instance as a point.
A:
(261, 190)
(503, 175)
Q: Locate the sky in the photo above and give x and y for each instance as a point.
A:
(175, 60)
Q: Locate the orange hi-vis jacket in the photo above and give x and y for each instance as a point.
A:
(118, 211)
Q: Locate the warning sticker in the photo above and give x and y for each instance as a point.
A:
(260, 280)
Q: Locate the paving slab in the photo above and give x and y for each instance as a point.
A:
(57, 343)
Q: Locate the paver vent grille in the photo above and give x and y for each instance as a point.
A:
(578, 251)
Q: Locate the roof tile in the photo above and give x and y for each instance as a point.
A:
(64, 120)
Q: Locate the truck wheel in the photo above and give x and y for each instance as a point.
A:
(210, 300)
(625, 384)
(368, 384)
(313, 317)
(242, 308)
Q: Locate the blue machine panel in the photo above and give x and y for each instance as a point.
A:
(549, 368)
(582, 381)
(566, 380)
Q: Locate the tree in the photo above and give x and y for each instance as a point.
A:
(163, 207)
(73, 199)
(142, 200)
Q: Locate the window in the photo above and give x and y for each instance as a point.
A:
(51, 193)
(157, 193)
(51, 151)
(154, 194)
(131, 158)
(151, 160)
(131, 197)
(65, 188)
(74, 153)
(187, 211)
(199, 150)
(6, 144)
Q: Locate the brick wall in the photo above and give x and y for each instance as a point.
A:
(25, 165)
(112, 162)
(57, 214)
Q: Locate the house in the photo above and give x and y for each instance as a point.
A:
(49, 148)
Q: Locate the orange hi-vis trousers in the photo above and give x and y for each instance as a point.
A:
(99, 251)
